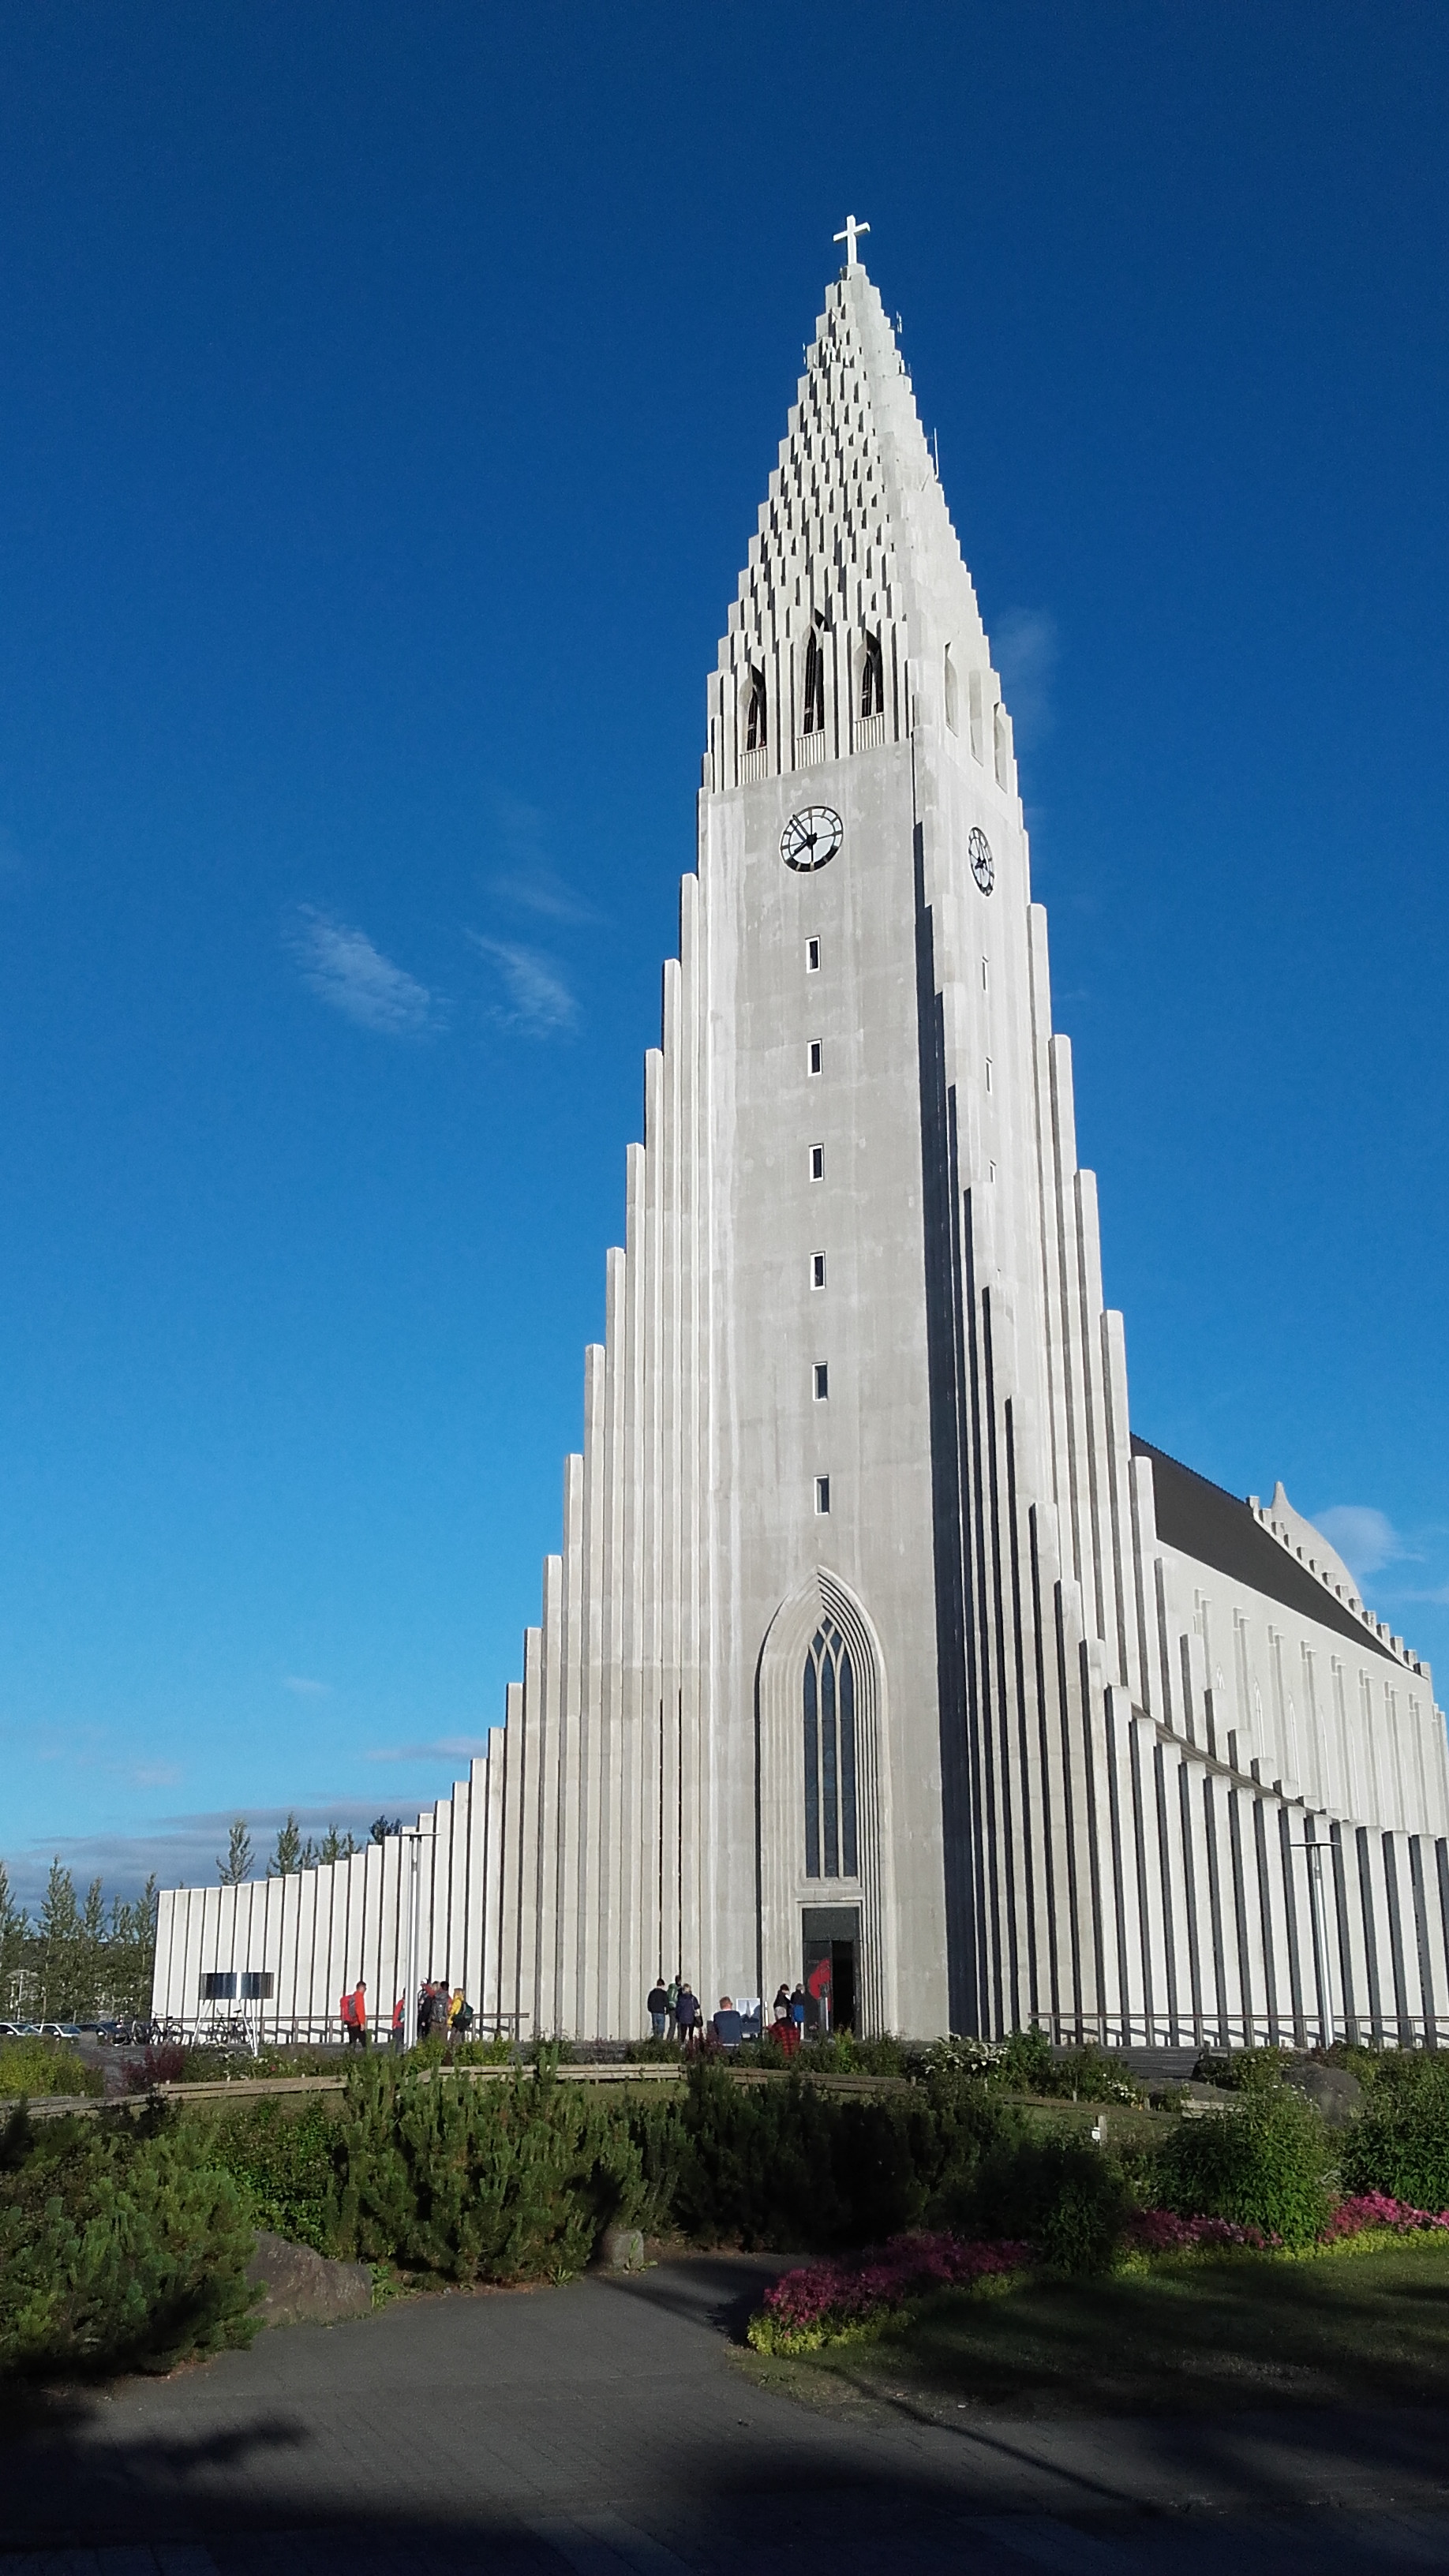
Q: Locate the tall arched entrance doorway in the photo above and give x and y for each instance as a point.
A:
(822, 1807)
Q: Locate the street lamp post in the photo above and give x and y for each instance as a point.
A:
(1315, 1851)
(414, 1838)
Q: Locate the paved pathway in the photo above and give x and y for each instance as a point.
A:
(603, 2428)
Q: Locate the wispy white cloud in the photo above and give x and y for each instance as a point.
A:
(529, 878)
(1366, 1539)
(345, 970)
(537, 999)
(452, 1748)
(1026, 646)
(306, 1689)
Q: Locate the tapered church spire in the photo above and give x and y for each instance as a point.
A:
(856, 552)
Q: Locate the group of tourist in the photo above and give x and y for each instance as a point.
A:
(675, 2013)
(442, 2014)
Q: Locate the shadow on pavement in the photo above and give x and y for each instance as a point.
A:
(604, 2425)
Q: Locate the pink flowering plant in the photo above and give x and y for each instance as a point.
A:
(861, 2296)
(1161, 2231)
(1375, 2213)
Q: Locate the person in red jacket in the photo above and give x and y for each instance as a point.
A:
(353, 2009)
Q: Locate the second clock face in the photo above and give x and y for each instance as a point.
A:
(983, 866)
(811, 838)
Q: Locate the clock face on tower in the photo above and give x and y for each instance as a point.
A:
(811, 838)
(983, 866)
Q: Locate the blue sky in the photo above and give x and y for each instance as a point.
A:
(385, 399)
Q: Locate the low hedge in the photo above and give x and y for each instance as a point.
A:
(126, 2241)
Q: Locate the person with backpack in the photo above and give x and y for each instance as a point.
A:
(353, 2009)
(686, 2015)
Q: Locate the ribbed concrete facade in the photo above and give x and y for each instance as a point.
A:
(873, 1632)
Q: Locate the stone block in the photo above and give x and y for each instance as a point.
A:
(620, 2249)
(303, 2288)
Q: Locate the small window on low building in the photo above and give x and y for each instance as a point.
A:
(813, 1059)
(812, 956)
(817, 1270)
(258, 1985)
(218, 1986)
(822, 1381)
(817, 1162)
(822, 1494)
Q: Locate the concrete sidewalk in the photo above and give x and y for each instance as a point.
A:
(603, 2427)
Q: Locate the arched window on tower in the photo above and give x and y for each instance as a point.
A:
(813, 718)
(872, 679)
(830, 1802)
(953, 694)
(755, 716)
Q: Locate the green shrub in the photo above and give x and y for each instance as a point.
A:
(1400, 2145)
(500, 2182)
(787, 2164)
(1026, 2062)
(1264, 2165)
(40, 2066)
(120, 2246)
(286, 2161)
(1060, 2193)
(1243, 2070)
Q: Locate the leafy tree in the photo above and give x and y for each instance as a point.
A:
(235, 1867)
(335, 1845)
(382, 1826)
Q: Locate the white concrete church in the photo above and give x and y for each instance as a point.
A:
(876, 1632)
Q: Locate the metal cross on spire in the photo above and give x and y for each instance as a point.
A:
(852, 228)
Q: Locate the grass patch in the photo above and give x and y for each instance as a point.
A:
(1196, 2335)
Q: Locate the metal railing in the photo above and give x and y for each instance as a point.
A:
(1243, 2030)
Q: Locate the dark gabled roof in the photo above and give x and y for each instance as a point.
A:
(1204, 1521)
